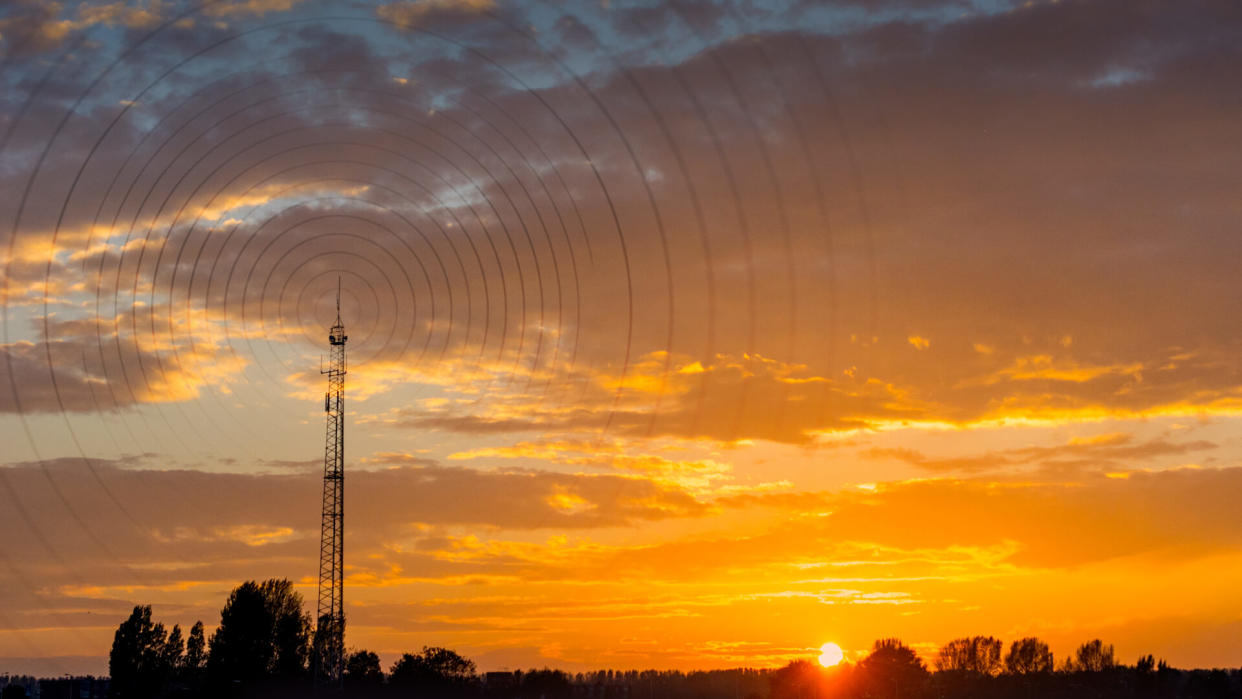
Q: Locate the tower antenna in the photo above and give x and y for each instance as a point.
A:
(329, 654)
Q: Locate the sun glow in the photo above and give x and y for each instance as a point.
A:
(830, 654)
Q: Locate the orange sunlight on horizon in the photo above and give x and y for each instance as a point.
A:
(830, 654)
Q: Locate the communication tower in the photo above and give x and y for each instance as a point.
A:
(330, 631)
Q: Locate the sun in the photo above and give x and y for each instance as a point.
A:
(830, 654)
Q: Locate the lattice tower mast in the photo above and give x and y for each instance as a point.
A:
(330, 633)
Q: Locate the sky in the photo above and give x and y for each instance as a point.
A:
(682, 335)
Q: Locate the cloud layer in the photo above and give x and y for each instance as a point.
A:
(858, 317)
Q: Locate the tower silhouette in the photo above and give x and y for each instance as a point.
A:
(330, 630)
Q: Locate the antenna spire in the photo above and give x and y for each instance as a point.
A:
(338, 299)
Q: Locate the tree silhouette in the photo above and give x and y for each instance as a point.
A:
(798, 679)
(174, 647)
(435, 672)
(263, 633)
(977, 655)
(1028, 656)
(195, 659)
(263, 642)
(1092, 656)
(363, 668)
(141, 659)
(546, 684)
(893, 669)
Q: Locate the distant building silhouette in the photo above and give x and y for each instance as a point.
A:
(499, 680)
(87, 687)
(26, 682)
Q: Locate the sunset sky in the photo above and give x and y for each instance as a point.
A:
(685, 334)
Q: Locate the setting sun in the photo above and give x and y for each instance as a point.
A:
(830, 654)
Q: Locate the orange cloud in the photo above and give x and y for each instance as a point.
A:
(1046, 367)
(413, 12)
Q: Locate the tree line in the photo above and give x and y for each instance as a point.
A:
(264, 646)
(974, 668)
